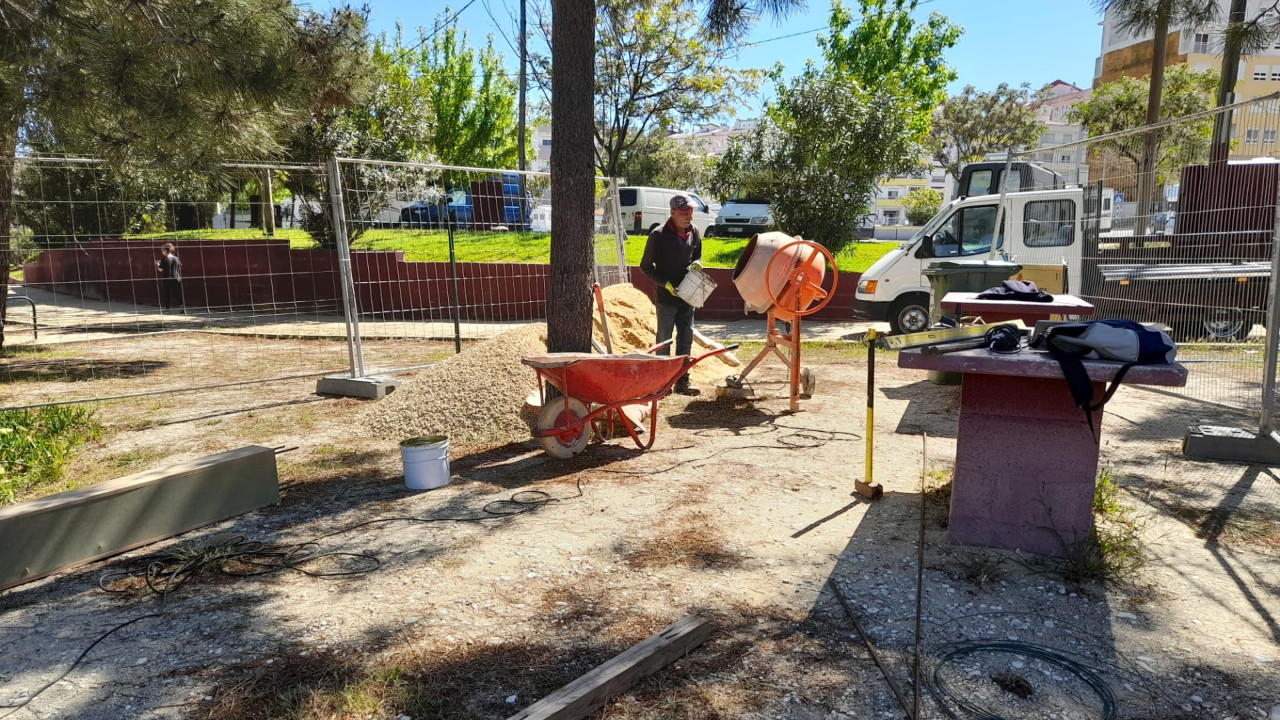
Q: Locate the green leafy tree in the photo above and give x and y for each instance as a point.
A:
(818, 155)
(658, 161)
(165, 83)
(835, 131)
(922, 204)
(470, 100)
(888, 51)
(974, 123)
(656, 69)
(1122, 105)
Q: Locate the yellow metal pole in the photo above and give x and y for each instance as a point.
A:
(867, 487)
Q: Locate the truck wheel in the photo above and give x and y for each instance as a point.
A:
(909, 314)
(1224, 324)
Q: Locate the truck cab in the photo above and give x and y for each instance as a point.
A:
(1033, 228)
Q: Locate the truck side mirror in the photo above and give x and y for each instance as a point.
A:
(925, 248)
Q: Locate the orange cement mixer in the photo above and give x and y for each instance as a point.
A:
(782, 276)
(782, 273)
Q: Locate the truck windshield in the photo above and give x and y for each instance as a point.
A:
(927, 228)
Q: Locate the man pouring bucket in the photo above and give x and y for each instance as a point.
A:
(669, 254)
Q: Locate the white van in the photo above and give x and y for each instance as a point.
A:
(744, 217)
(645, 208)
(1046, 232)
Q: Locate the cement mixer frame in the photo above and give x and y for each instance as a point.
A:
(799, 292)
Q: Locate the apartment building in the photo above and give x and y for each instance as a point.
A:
(1254, 130)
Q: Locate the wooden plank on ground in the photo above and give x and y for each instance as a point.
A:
(590, 692)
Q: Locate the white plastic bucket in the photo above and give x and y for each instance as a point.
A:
(426, 462)
(696, 287)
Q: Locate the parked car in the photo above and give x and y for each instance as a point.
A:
(457, 210)
(645, 208)
(500, 206)
(744, 217)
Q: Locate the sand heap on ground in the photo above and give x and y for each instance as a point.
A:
(478, 396)
(633, 325)
(475, 397)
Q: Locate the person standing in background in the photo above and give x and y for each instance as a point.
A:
(170, 269)
(668, 254)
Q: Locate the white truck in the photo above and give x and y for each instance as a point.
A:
(1201, 285)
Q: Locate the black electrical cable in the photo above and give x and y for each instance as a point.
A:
(1003, 339)
(948, 697)
(169, 571)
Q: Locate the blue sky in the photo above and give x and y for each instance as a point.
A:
(1013, 41)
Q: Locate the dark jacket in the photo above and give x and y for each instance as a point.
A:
(170, 267)
(667, 258)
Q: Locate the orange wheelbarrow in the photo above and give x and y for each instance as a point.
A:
(606, 384)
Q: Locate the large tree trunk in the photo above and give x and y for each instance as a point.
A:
(8, 164)
(1147, 169)
(572, 175)
(1221, 146)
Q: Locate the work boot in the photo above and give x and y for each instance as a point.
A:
(683, 387)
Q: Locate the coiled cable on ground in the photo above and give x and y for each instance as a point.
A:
(952, 701)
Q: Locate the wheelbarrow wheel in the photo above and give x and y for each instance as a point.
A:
(564, 413)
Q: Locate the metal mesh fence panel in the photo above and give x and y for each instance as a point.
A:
(458, 253)
(96, 309)
(1165, 235)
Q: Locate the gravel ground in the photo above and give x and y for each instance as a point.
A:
(741, 513)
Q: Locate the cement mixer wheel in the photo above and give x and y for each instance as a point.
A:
(564, 414)
(807, 382)
(804, 275)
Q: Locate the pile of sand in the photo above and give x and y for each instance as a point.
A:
(478, 396)
(633, 325)
(475, 397)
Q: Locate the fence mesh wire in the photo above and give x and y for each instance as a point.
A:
(92, 312)
(1169, 237)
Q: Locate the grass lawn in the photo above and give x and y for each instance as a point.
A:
(517, 247)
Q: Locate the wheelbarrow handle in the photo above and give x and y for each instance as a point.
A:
(659, 346)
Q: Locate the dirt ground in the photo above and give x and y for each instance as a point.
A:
(741, 513)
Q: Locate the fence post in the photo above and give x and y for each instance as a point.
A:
(619, 232)
(1267, 424)
(457, 310)
(350, 312)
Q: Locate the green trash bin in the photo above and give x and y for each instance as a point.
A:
(962, 276)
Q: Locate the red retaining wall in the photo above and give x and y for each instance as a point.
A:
(267, 275)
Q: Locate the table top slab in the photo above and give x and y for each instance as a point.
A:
(1062, 304)
(1033, 363)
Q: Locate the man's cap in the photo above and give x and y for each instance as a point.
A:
(681, 201)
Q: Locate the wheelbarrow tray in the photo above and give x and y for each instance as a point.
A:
(609, 379)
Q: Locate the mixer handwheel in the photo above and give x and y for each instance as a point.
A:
(802, 276)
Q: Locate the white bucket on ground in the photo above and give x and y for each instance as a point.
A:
(426, 462)
(696, 287)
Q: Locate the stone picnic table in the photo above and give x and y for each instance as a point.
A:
(1026, 459)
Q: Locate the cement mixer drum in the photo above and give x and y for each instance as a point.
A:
(761, 278)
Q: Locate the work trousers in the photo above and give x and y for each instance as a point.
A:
(676, 315)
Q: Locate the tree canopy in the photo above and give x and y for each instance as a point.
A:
(922, 204)
(1122, 105)
(888, 51)
(969, 125)
(835, 131)
(656, 68)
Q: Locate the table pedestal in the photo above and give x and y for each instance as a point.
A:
(1026, 465)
